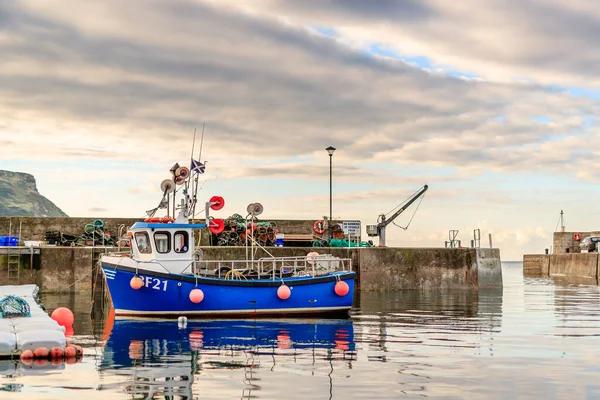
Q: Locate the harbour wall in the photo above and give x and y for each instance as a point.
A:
(583, 265)
(72, 269)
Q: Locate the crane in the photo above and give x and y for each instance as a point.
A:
(383, 222)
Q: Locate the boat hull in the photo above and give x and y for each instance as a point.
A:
(167, 295)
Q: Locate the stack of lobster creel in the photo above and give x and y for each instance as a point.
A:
(237, 231)
(71, 354)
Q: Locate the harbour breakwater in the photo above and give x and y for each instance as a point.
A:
(565, 259)
(583, 265)
(74, 269)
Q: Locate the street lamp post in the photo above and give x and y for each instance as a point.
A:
(330, 151)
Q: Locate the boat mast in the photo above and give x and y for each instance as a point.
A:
(195, 188)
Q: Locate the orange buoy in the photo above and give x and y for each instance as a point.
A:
(57, 352)
(136, 282)
(63, 316)
(284, 292)
(196, 295)
(41, 352)
(70, 351)
(341, 288)
(79, 349)
(27, 356)
(69, 331)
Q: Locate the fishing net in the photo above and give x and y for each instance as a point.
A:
(13, 306)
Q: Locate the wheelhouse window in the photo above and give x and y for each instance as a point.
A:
(162, 240)
(181, 242)
(143, 242)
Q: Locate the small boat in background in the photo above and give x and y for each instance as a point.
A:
(166, 276)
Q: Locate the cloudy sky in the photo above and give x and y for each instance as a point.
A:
(492, 103)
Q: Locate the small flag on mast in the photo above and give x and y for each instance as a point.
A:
(197, 166)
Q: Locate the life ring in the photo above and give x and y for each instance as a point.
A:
(577, 236)
(319, 227)
(159, 220)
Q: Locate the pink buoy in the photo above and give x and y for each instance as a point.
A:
(27, 355)
(57, 352)
(341, 288)
(284, 292)
(41, 352)
(136, 282)
(70, 351)
(196, 295)
(63, 316)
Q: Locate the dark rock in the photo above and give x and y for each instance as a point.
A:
(19, 197)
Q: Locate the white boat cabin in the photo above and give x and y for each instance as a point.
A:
(170, 245)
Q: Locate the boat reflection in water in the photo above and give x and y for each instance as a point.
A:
(160, 358)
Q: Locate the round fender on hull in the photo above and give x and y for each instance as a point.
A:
(284, 292)
(196, 296)
(341, 288)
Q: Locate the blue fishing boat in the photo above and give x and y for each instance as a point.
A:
(165, 275)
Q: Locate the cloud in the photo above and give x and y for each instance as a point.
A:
(113, 91)
(281, 94)
(492, 41)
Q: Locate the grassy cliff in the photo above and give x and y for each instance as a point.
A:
(19, 197)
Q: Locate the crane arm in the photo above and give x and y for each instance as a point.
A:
(385, 222)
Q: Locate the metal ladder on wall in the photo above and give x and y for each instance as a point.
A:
(13, 269)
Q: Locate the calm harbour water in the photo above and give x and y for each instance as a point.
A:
(536, 338)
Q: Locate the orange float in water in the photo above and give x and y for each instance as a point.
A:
(341, 288)
(41, 352)
(69, 331)
(70, 351)
(136, 282)
(27, 356)
(57, 352)
(63, 316)
(284, 292)
(79, 350)
(196, 295)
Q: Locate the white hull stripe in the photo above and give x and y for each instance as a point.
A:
(119, 311)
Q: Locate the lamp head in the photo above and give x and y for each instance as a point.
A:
(330, 150)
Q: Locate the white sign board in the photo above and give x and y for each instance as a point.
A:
(351, 228)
